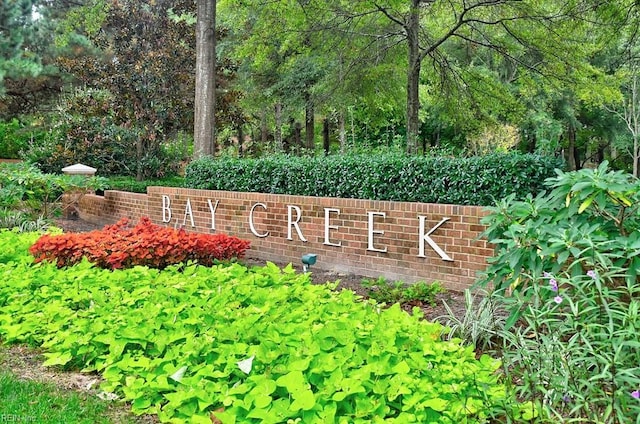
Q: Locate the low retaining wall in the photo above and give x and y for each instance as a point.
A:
(398, 240)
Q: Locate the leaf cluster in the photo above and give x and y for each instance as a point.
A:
(242, 345)
(12, 139)
(25, 189)
(474, 180)
(570, 257)
(388, 292)
(119, 246)
(588, 217)
(88, 129)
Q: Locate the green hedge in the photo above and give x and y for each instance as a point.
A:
(13, 138)
(467, 181)
(125, 183)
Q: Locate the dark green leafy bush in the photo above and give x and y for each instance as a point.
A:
(17, 137)
(89, 130)
(130, 184)
(473, 181)
(13, 138)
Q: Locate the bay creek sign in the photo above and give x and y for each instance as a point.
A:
(294, 216)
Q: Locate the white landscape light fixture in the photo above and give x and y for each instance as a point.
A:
(308, 260)
(79, 169)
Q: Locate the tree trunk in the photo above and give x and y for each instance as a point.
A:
(309, 121)
(636, 155)
(571, 149)
(342, 132)
(297, 135)
(264, 134)
(204, 132)
(634, 122)
(139, 154)
(413, 78)
(278, 134)
(240, 139)
(325, 136)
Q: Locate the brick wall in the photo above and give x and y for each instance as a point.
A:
(373, 238)
(113, 206)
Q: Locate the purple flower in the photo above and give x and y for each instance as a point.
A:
(553, 284)
(566, 398)
(546, 274)
(635, 394)
(557, 299)
(592, 274)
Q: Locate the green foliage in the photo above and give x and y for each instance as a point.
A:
(88, 131)
(480, 324)
(383, 291)
(474, 181)
(18, 29)
(575, 349)
(130, 184)
(27, 192)
(31, 401)
(571, 257)
(22, 221)
(12, 139)
(243, 345)
(589, 218)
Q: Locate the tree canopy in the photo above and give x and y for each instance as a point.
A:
(550, 76)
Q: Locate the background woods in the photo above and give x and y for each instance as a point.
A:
(114, 78)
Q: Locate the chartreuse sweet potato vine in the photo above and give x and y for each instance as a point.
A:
(240, 345)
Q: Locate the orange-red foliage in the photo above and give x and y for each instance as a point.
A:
(121, 246)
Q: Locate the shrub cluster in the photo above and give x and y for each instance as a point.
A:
(119, 246)
(130, 184)
(474, 180)
(13, 138)
(27, 196)
(87, 129)
(566, 267)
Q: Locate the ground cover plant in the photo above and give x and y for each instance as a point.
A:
(567, 270)
(122, 246)
(234, 344)
(390, 292)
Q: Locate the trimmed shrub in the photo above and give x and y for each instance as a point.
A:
(88, 129)
(118, 246)
(467, 181)
(131, 185)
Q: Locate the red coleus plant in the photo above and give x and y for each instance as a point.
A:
(122, 246)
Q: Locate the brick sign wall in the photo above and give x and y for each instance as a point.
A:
(397, 240)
